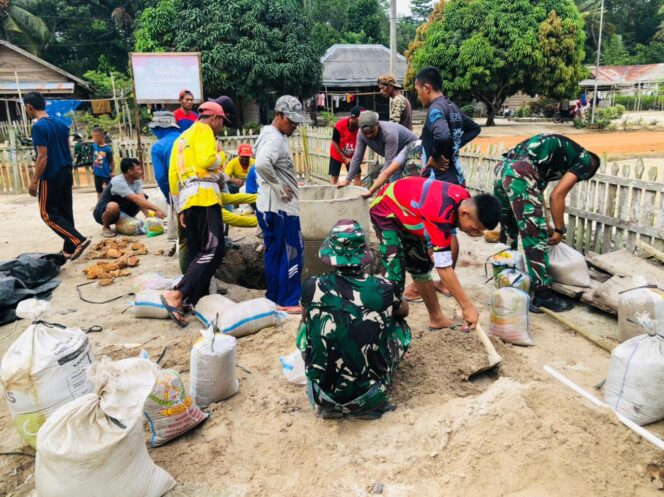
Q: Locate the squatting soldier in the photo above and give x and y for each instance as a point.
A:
(521, 180)
(353, 334)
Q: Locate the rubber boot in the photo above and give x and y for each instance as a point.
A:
(549, 300)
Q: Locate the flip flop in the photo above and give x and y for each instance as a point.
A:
(108, 234)
(293, 309)
(417, 300)
(446, 293)
(80, 248)
(454, 327)
(172, 311)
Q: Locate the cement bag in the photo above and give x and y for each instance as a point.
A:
(43, 369)
(514, 278)
(130, 226)
(213, 374)
(209, 307)
(647, 298)
(170, 411)
(292, 366)
(95, 444)
(507, 259)
(509, 316)
(568, 266)
(246, 317)
(148, 305)
(636, 376)
(153, 281)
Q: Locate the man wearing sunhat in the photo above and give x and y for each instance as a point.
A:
(400, 108)
(166, 130)
(344, 137)
(278, 210)
(353, 333)
(387, 139)
(194, 185)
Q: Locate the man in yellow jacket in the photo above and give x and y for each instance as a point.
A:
(194, 182)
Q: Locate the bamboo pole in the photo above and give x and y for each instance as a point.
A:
(600, 343)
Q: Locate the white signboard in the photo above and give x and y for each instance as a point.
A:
(160, 77)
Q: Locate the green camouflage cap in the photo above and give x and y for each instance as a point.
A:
(291, 108)
(346, 245)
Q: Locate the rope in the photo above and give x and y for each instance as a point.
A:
(80, 295)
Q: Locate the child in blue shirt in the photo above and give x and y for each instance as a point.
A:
(103, 164)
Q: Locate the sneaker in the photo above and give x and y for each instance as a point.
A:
(549, 300)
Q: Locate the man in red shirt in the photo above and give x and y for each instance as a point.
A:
(414, 219)
(344, 137)
(184, 115)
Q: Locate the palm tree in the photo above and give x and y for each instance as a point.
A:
(19, 25)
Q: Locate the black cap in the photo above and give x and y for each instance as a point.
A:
(356, 111)
(230, 110)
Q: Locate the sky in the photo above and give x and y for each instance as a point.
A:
(403, 7)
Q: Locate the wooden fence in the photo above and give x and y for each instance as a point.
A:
(621, 204)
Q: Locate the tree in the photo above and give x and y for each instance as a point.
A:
(406, 29)
(614, 52)
(420, 34)
(265, 52)
(420, 10)
(20, 26)
(488, 50)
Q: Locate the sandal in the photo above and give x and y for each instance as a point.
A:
(293, 309)
(416, 300)
(108, 234)
(80, 248)
(172, 311)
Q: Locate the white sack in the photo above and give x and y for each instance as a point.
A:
(43, 369)
(507, 259)
(292, 366)
(241, 319)
(568, 266)
(148, 305)
(635, 384)
(509, 316)
(94, 445)
(635, 302)
(213, 375)
(514, 278)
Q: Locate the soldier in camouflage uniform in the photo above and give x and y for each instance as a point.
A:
(353, 334)
(520, 183)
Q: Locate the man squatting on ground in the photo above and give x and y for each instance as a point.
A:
(520, 183)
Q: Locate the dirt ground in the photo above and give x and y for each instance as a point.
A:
(517, 434)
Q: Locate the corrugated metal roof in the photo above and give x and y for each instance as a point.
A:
(9, 87)
(358, 65)
(630, 75)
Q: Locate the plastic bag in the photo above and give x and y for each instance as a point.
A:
(43, 369)
(153, 225)
(213, 375)
(509, 316)
(148, 305)
(292, 366)
(636, 375)
(95, 444)
(129, 226)
(153, 281)
(647, 299)
(170, 411)
(507, 259)
(241, 319)
(514, 278)
(568, 266)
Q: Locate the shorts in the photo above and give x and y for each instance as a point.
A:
(99, 212)
(335, 167)
(101, 182)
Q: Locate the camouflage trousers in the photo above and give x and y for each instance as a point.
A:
(401, 251)
(522, 213)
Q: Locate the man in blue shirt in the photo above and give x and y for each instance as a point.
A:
(103, 164)
(52, 179)
(166, 130)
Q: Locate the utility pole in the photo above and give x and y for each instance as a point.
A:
(393, 35)
(599, 53)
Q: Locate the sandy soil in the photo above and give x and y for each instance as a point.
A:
(517, 434)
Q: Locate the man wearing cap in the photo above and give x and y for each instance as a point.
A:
(184, 115)
(278, 210)
(400, 108)
(414, 216)
(353, 332)
(166, 130)
(196, 193)
(521, 181)
(230, 110)
(344, 137)
(387, 139)
(237, 169)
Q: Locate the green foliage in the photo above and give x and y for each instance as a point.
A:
(610, 113)
(490, 49)
(524, 112)
(652, 53)
(406, 29)
(421, 10)
(100, 79)
(416, 43)
(20, 24)
(543, 106)
(252, 127)
(614, 52)
(469, 110)
(647, 102)
(328, 118)
(265, 52)
(85, 122)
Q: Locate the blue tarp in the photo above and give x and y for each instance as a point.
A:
(60, 109)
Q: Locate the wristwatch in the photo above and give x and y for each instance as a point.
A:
(562, 231)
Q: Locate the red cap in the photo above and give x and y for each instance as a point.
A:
(244, 150)
(185, 92)
(211, 109)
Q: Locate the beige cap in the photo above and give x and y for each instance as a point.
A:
(368, 119)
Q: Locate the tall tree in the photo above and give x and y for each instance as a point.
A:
(265, 52)
(21, 26)
(420, 10)
(420, 34)
(490, 49)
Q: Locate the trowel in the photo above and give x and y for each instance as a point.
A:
(493, 357)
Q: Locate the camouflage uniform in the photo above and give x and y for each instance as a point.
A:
(350, 339)
(520, 183)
